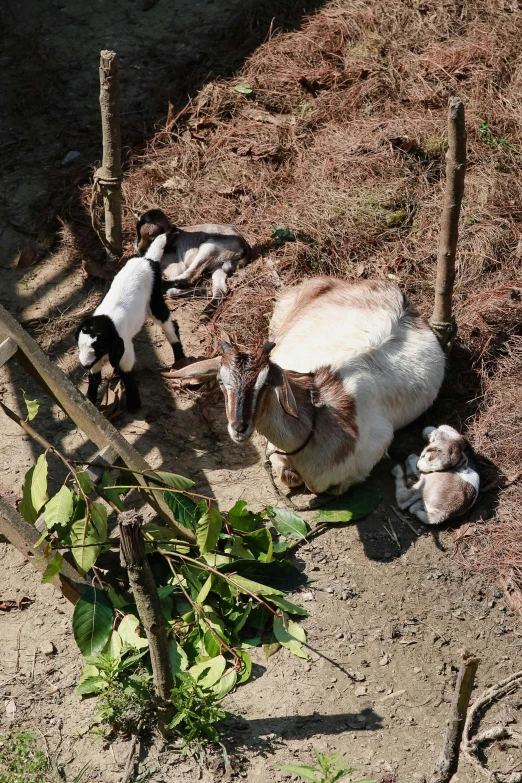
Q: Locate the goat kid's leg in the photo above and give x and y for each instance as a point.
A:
(425, 516)
(132, 392)
(411, 466)
(205, 255)
(219, 291)
(94, 385)
(161, 315)
(403, 495)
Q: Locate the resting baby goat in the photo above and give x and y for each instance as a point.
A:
(447, 484)
(192, 251)
(351, 363)
(134, 295)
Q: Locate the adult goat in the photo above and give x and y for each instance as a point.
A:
(349, 363)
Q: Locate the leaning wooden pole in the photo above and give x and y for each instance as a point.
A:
(448, 761)
(150, 613)
(108, 177)
(442, 321)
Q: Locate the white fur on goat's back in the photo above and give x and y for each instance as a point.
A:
(127, 301)
(362, 330)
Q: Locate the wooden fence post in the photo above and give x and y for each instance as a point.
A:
(149, 609)
(107, 180)
(442, 321)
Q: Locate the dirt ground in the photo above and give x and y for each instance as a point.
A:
(390, 609)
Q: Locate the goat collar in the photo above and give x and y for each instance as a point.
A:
(316, 405)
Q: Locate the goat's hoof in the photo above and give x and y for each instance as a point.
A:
(290, 478)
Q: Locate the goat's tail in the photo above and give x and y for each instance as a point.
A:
(157, 248)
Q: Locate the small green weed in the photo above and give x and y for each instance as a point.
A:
(327, 770)
(488, 137)
(21, 761)
(198, 711)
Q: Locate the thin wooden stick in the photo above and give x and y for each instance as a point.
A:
(448, 761)
(108, 178)
(150, 613)
(442, 321)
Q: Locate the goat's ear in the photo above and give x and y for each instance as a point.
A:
(225, 347)
(279, 380)
(199, 372)
(267, 348)
(116, 352)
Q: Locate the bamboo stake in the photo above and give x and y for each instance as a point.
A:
(448, 761)
(107, 180)
(442, 321)
(150, 613)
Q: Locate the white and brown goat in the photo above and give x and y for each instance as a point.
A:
(442, 483)
(350, 362)
(193, 251)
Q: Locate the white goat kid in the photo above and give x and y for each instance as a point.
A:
(442, 483)
(193, 251)
(135, 294)
(351, 363)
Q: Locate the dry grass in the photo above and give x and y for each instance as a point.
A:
(342, 141)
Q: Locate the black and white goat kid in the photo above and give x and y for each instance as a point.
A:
(135, 294)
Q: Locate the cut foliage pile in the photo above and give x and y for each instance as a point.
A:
(328, 150)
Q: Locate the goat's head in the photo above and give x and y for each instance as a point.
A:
(444, 450)
(98, 337)
(150, 225)
(244, 377)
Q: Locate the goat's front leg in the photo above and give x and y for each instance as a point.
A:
(405, 496)
(128, 378)
(411, 466)
(206, 254)
(284, 471)
(161, 315)
(94, 385)
(219, 291)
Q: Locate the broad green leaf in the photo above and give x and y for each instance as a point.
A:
(59, 510)
(279, 574)
(246, 671)
(208, 528)
(89, 670)
(225, 684)
(207, 673)
(292, 636)
(308, 773)
(260, 543)
(111, 494)
(173, 480)
(90, 685)
(178, 657)
(354, 505)
(34, 491)
(32, 407)
(84, 481)
(211, 644)
(116, 600)
(244, 89)
(99, 520)
(205, 590)
(128, 630)
(84, 556)
(115, 646)
(244, 617)
(92, 621)
(238, 549)
(241, 519)
(253, 587)
(166, 590)
(288, 606)
(184, 509)
(216, 561)
(271, 649)
(287, 523)
(280, 547)
(54, 566)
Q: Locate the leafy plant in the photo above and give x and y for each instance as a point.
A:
(20, 759)
(198, 711)
(282, 234)
(220, 597)
(327, 770)
(489, 137)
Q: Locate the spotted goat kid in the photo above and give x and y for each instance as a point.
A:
(442, 483)
(135, 294)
